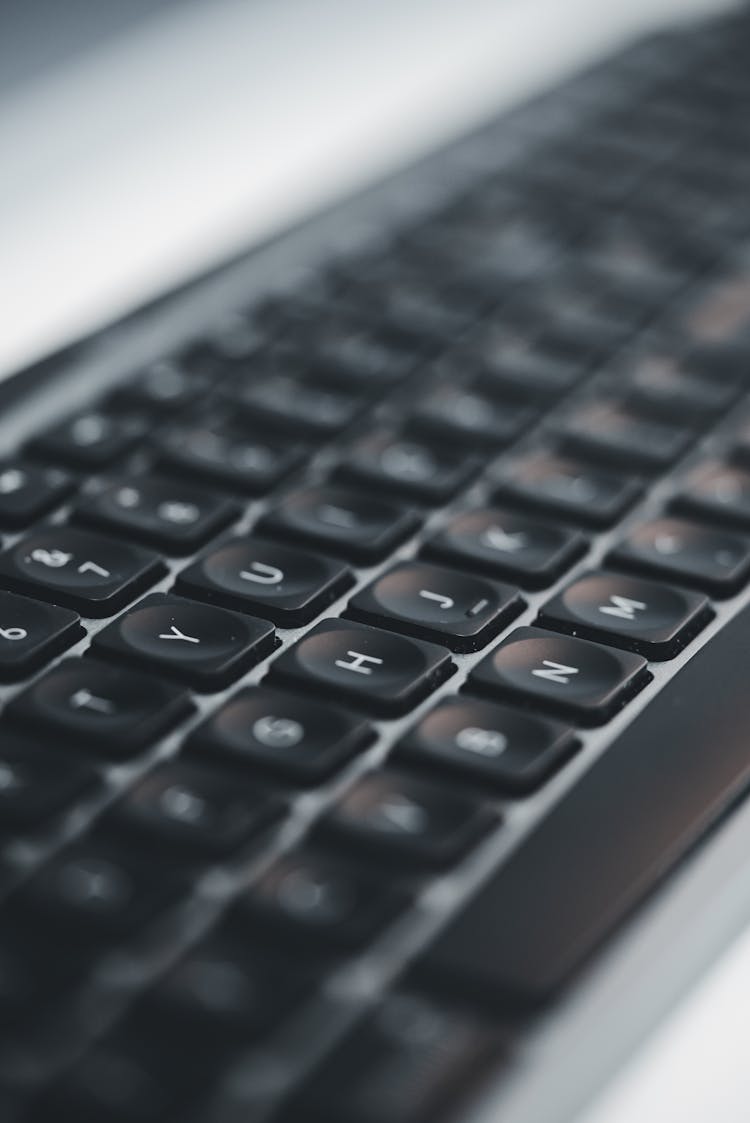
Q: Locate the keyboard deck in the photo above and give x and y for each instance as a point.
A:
(348, 641)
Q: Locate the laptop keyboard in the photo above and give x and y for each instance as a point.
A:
(295, 619)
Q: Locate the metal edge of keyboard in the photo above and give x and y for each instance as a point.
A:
(65, 381)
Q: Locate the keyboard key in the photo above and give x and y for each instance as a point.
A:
(642, 806)
(383, 673)
(288, 586)
(96, 576)
(89, 441)
(571, 677)
(393, 815)
(117, 713)
(313, 899)
(37, 783)
(456, 609)
(465, 416)
(174, 517)
(408, 467)
(31, 633)
(28, 491)
(614, 433)
(407, 1063)
(493, 745)
(653, 619)
(358, 356)
(360, 528)
(293, 405)
(525, 364)
(192, 808)
(715, 561)
(567, 488)
(504, 544)
(164, 388)
(201, 645)
(229, 455)
(663, 384)
(292, 738)
(716, 492)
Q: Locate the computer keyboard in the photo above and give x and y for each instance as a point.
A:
(369, 657)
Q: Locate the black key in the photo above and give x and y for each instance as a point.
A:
(172, 516)
(716, 561)
(567, 488)
(289, 587)
(525, 364)
(572, 677)
(411, 301)
(293, 738)
(465, 416)
(356, 355)
(201, 645)
(456, 609)
(408, 1062)
(230, 455)
(653, 619)
(663, 383)
(195, 809)
(94, 575)
(408, 467)
(164, 388)
(506, 545)
(90, 440)
(512, 751)
(393, 815)
(716, 492)
(615, 433)
(28, 491)
(383, 673)
(632, 817)
(37, 783)
(360, 528)
(115, 712)
(312, 898)
(31, 633)
(293, 405)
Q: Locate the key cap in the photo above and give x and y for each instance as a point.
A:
(503, 544)
(117, 713)
(230, 455)
(196, 809)
(37, 783)
(526, 364)
(653, 619)
(613, 433)
(408, 467)
(567, 488)
(593, 859)
(465, 416)
(408, 1062)
(31, 633)
(94, 575)
(309, 898)
(163, 388)
(718, 493)
(357, 355)
(715, 561)
(89, 441)
(455, 609)
(360, 666)
(292, 405)
(159, 512)
(28, 491)
(570, 677)
(392, 815)
(288, 586)
(201, 645)
(512, 751)
(359, 528)
(664, 384)
(292, 738)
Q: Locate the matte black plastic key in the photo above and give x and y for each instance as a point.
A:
(457, 609)
(653, 619)
(465, 416)
(703, 557)
(31, 633)
(718, 493)
(382, 673)
(37, 783)
(175, 517)
(408, 467)
(612, 432)
(577, 679)
(292, 405)
(295, 739)
(164, 388)
(92, 574)
(609, 842)
(229, 455)
(567, 488)
(285, 585)
(201, 645)
(504, 544)
(28, 491)
(90, 440)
